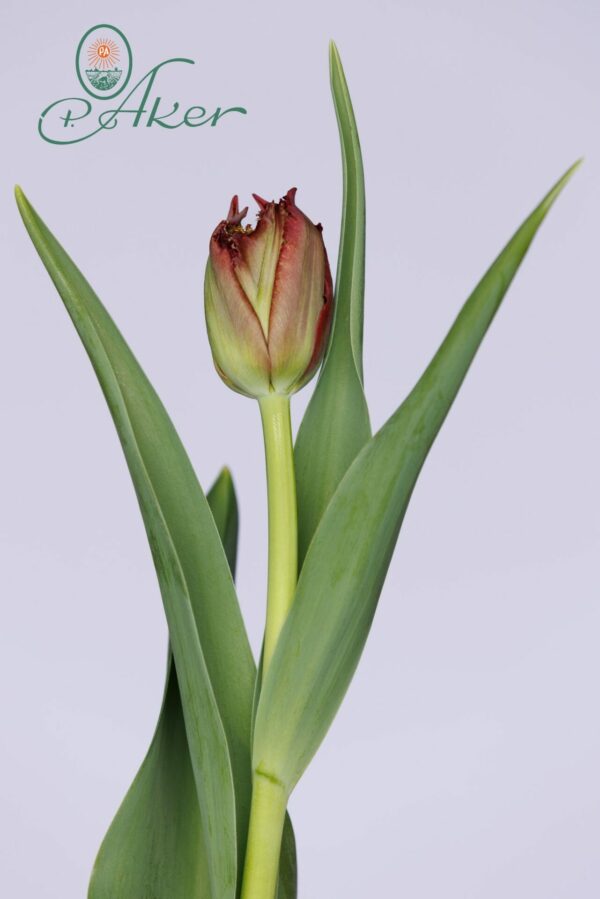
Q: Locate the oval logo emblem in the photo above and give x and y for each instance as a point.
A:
(103, 61)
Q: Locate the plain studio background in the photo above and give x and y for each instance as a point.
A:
(464, 762)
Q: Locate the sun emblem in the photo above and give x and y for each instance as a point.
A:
(103, 53)
(103, 56)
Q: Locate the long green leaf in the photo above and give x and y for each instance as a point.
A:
(154, 845)
(346, 564)
(336, 425)
(287, 885)
(214, 664)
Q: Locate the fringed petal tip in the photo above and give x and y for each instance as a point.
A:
(290, 197)
(235, 216)
(261, 203)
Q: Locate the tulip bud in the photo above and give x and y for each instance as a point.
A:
(268, 298)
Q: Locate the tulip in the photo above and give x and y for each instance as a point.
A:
(268, 298)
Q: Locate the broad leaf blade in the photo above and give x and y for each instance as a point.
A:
(336, 425)
(154, 845)
(212, 656)
(345, 567)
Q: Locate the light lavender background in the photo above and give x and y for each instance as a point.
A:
(464, 762)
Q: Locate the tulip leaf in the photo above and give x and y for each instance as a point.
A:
(212, 656)
(287, 886)
(156, 835)
(347, 561)
(336, 425)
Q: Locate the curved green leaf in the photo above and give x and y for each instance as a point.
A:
(154, 845)
(336, 425)
(346, 564)
(214, 664)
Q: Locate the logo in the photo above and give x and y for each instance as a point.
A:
(104, 61)
(104, 67)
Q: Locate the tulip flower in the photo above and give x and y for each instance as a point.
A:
(268, 298)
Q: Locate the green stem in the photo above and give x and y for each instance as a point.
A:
(269, 799)
(283, 518)
(267, 816)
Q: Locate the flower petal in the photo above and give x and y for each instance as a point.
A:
(236, 337)
(255, 260)
(302, 301)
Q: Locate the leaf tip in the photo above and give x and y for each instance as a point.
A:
(26, 210)
(560, 184)
(570, 171)
(20, 197)
(334, 57)
(225, 474)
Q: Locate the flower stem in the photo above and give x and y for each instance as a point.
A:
(267, 814)
(269, 799)
(283, 519)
